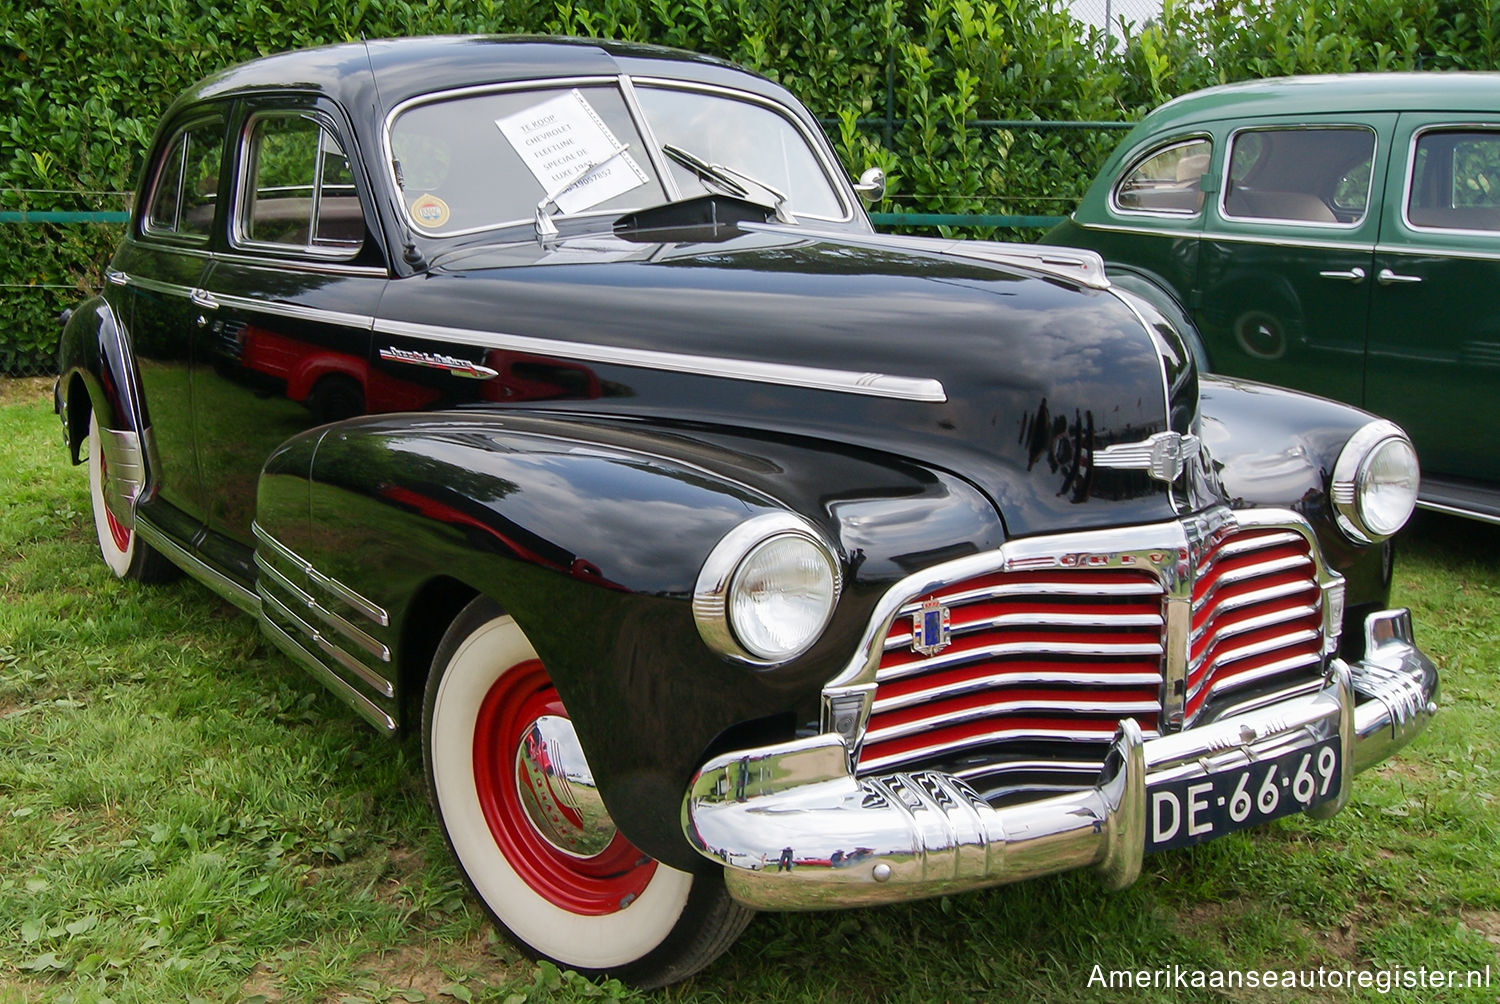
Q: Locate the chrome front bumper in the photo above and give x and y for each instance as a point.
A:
(795, 829)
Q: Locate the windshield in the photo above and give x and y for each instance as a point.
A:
(474, 162)
(748, 138)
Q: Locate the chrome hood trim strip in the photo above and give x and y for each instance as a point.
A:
(903, 388)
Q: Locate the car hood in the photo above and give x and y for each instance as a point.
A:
(1012, 378)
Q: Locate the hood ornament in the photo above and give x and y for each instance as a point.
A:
(1164, 456)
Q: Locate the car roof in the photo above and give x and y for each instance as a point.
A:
(1350, 92)
(406, 67)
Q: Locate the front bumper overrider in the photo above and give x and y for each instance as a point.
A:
(795, 829)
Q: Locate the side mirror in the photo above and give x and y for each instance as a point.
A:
(871, 186)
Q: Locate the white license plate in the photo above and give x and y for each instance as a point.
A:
(1190, 811)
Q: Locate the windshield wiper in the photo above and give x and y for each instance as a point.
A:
(727, 179)
(544, 226)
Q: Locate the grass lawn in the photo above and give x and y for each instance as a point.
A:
(184, 814)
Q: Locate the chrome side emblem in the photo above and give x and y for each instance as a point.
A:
(438, 361)
(930, 632)
(1164, 456)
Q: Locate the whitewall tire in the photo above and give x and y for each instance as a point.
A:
(557, 877)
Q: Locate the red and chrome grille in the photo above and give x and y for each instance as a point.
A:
(1060, 654)
(1021, 677)
(1257, 615)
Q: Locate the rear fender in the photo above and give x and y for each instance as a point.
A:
(94, 357)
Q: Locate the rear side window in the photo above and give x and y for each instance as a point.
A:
(1455, 180)
(298, 190)
(185, 188)
(1319, 175)
(1168, 180)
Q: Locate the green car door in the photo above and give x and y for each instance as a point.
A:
(1434, 346)
(1283, 289)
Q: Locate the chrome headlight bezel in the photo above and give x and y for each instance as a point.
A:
(1352, 482)
(713, 607)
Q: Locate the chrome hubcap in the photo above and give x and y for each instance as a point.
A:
(557, 789)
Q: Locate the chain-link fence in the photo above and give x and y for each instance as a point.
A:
(1118, 19)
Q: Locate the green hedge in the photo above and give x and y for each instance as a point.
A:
(901, 80)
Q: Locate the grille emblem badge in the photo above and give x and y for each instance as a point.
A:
(930, 632)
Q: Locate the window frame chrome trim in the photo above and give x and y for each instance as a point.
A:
(626, 83)
(1221, 203)
(1113, 205)
(174, 237)
(648, 135)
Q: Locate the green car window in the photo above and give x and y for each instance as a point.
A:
(1305, 175)
(1168, 180)
(1455, 180)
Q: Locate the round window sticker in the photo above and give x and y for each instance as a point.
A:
(430, 211)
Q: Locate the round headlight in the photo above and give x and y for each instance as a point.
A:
(767, 590)
(1388, 486)
(1375, 482)
(781, 597)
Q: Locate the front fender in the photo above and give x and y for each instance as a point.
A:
(592, 534)
(1274, 447)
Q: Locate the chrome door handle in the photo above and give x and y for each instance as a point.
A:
(1355, 275)
(204, 299)
(1389, 278)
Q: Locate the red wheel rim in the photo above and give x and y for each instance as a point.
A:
(603, 884)
(118, 532)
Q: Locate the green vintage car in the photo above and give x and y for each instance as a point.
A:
(1337, 234)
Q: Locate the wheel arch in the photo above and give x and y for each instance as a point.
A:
(96, 372)
(435, 605)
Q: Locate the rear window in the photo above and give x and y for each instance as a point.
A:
(185, 188)
(1166, 181)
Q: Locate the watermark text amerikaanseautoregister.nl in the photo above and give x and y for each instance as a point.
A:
(1380, 980)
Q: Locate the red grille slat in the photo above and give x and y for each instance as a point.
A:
(958, 736)
(1065, 653)
(1256, 606)
(1022, 671)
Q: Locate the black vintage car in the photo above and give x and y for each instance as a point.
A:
(556, 400)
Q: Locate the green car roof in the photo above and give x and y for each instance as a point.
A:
(1351, 92)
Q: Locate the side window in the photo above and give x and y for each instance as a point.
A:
(1300, 175)
(1166, 181)
(185, 189)
(298, 189)
(1455, 180)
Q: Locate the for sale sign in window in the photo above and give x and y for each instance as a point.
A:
(571, 152)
